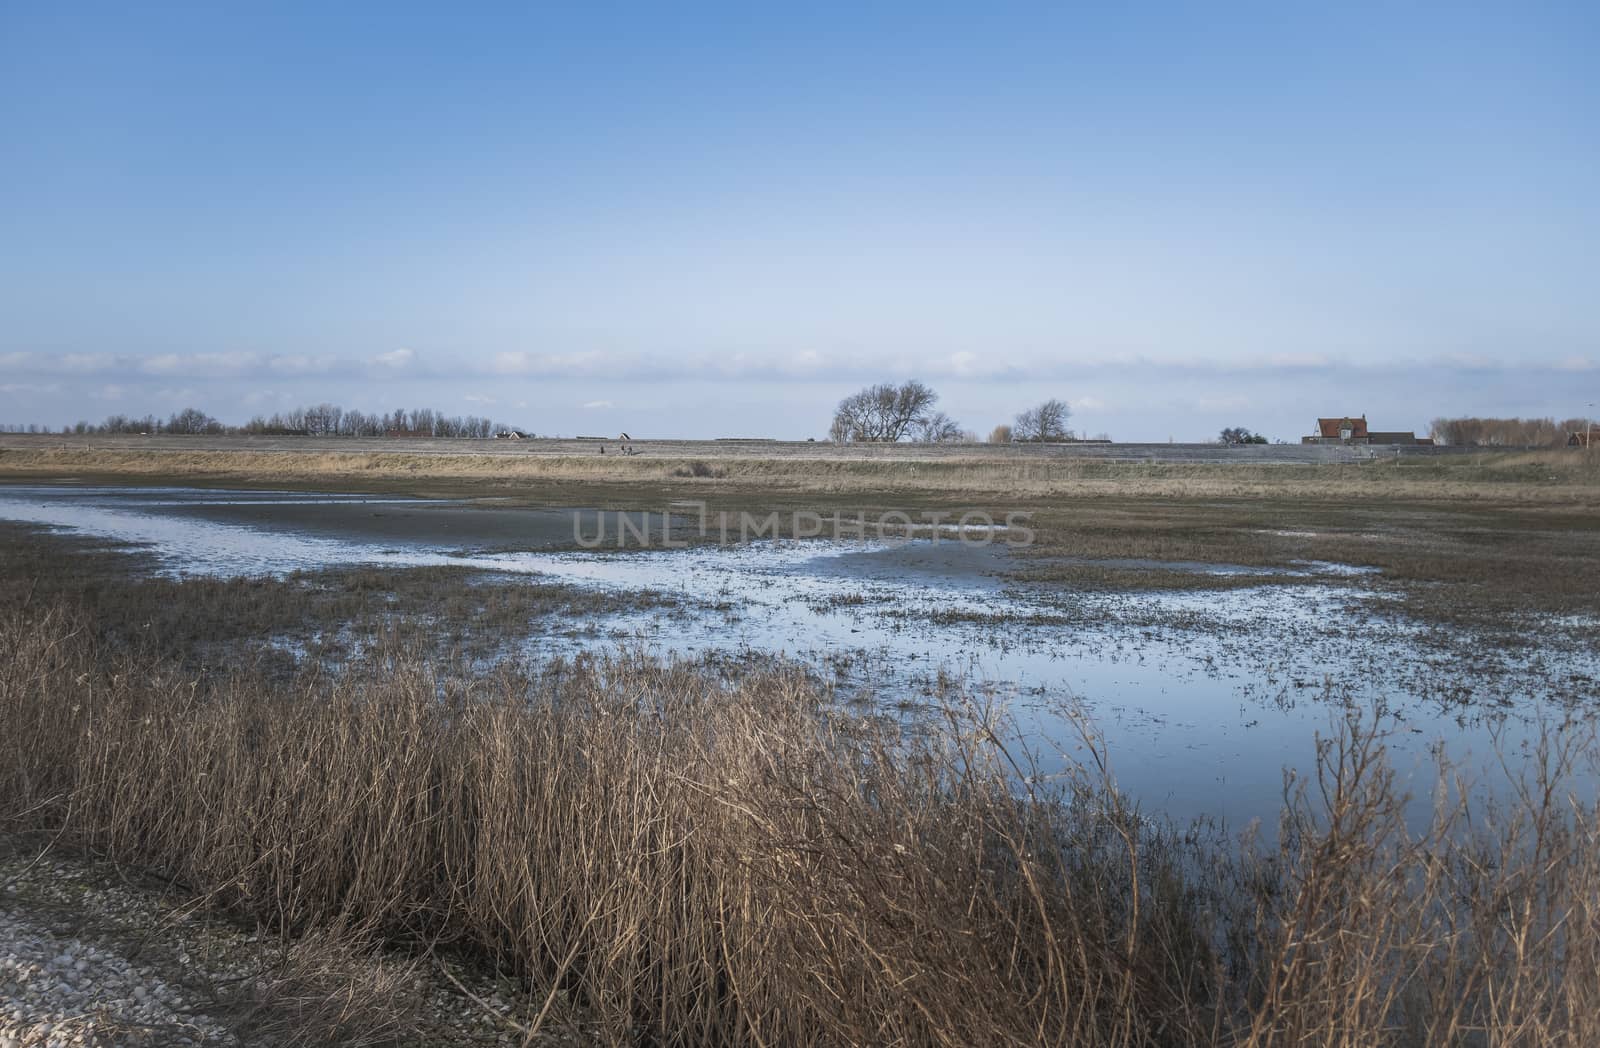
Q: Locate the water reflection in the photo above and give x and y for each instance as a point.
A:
(1202, 697)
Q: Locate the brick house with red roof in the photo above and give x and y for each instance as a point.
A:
(1353, 430)
(1346, 430)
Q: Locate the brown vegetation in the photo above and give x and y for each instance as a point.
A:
(1507, 432)
(949, 474)
(446, 611)
(321, 420)
(1449, 560)
(702, 862)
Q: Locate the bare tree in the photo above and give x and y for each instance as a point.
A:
(883, 413)
(1504, 432)
(939, 428)
(422, 421)
(1048, 421)
(192, 420)
(1000, 434)
(323, 419)
(332, 420)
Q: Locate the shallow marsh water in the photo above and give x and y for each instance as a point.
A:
(1201, 697)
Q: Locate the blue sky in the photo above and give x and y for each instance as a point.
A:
(689, 220)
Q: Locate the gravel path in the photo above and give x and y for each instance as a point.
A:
(92, 957)
(63, 991)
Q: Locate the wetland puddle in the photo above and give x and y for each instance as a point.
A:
(1202, 697)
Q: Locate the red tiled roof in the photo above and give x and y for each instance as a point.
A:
(1330, 427)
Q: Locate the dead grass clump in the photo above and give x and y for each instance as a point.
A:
(694, 861)
(325, 989)
(697, 468)
(1481, 929)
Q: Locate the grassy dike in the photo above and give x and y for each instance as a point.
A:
(948, 473)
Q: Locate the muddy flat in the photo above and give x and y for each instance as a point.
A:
(1204, 695)
(435, 522)
(485, 524)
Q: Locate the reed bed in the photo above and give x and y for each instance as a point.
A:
(696, 860)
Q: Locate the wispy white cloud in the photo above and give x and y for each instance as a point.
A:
(1290, 361)
(1473, 362)
(300, 364)
(566, 365)
(808, 361)
(968, 365)
(162, 364)
(213, 365)
(396, 358)
(80, 363)
(594, 404)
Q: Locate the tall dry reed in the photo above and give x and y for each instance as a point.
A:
(697, 861)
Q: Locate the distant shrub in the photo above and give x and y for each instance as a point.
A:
(1506, 432)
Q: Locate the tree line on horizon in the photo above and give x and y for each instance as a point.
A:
(882, 413)
(321, 420)
(1506, 432)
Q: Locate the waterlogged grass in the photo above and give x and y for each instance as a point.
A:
(1463, 563)
(718, 852)
(694, 860)
(324, 613)
(1464, 539)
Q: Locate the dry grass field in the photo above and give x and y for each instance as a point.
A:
(559, 470)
